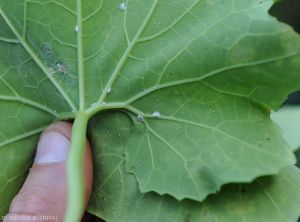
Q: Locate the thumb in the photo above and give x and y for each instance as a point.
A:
(43, 196)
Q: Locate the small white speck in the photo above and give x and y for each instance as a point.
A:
(122, 6)
(108, 91)
(76, 29)
(94, 104)
(98, 104)
(156, 114)
(51, 70)
(140, 118)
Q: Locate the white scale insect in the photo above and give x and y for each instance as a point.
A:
(156, 114)
(98, 104)
(76, 29)
(108, 91)
(140, 118)
(122, 6)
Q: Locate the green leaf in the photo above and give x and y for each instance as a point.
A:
(29, 102)
(14, 164)
(288, 118)
(116, 197)
(210, 71)
(194, 151)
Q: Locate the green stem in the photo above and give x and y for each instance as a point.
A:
(75, 176)
(75, 204)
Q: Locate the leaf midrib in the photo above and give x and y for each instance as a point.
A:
(80, 57)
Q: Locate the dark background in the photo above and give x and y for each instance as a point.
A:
(287, 11)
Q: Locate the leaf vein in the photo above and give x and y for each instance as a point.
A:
(22, 136)
(29, 103)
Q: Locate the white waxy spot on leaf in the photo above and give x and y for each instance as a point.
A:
(108, 91)
(140, 118)
(156, 114)
(76, 29)
(122, 6)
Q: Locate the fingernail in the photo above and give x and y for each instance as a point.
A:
(52, 148)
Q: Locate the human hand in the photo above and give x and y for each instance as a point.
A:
(43, 197)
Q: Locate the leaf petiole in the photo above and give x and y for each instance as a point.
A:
(75, 203)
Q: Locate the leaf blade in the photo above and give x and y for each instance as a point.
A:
(199, 143)
(235, 202)
(233, 50)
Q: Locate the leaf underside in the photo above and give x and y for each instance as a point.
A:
(200, 75)
(116, 196)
